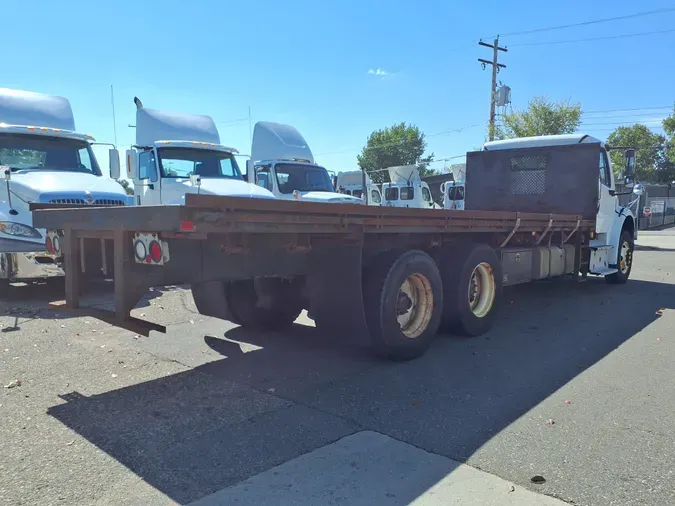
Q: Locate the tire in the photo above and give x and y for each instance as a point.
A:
(383, 283)
(211, 299)
(237, 301)
(459, 264)
(621, 276)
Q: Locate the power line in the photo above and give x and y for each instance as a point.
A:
(609, 37)
(626, 122)
(633, 109)
(402, 141)
(593, 22)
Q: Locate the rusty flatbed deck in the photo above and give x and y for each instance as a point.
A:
(219, 214)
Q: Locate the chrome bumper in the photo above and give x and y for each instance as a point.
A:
(26, 266)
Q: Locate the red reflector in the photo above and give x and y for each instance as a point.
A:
(155, 251)
(49, 245)
(148, 259)
(187, 226)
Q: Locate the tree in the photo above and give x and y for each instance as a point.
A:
(399, 144)
(650, 163)
(124, 183)
(542, 117)
(669, 128)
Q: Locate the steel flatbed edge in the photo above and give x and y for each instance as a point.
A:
(207, 214)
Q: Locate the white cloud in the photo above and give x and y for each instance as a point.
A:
(379, 72)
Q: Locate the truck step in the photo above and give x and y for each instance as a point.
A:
(605, 271)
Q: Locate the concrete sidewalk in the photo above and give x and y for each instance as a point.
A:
(369, 468)
(655, 240)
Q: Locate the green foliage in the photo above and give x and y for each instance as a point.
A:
(399, 144)
(669, 128)
(124, 183)
(650, 163)
(542, 117)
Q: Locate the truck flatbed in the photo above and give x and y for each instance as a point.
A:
(319, 255)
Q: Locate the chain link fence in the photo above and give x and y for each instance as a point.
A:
(661, 212)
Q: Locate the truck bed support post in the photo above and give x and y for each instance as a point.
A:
(127, 291)
(71, 264)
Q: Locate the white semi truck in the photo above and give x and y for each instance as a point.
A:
(453, 195)
(282, 162)
(44, 161)
(406, 189)
(351, 183)
(177, 153)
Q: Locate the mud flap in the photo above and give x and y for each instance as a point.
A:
(334, 289)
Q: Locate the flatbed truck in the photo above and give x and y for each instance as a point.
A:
(390, 277)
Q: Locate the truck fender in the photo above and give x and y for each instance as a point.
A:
(624, 219)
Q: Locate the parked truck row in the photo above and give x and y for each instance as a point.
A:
(261, 242)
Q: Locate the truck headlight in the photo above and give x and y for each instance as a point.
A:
(18, 229)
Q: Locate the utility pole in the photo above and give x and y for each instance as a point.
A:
(493, 90)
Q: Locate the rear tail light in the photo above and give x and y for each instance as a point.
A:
(53, 242)
(150, 249)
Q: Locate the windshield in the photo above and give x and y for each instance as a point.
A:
(301, 177)
(456, 193)
(181, 162)
(25, 152)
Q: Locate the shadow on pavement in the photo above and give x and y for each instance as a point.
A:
(195, 432)
(28, 301)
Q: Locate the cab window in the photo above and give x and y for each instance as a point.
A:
(407, 193)
(604, 170)
(391, 193)
(426, 196)
(375, 197)
(147, 168)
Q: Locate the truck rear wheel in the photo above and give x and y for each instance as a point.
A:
(624, 260)
(403, 299)
(472, 281)
(240, 303)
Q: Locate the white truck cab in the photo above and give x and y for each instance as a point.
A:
(176, 154)
(351, 183)
(615, 225)
(406, 189)
(453, 195)
(282, 163)
(44, 160)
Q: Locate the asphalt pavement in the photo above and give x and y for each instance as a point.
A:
(574, 384)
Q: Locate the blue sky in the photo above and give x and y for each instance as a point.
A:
(307, 64)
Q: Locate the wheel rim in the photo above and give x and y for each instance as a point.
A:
(482, 290)
(625, 257)
(414, 305)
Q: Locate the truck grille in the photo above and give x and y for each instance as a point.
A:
(81, 202)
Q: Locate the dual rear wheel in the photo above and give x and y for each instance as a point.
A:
(408, 297)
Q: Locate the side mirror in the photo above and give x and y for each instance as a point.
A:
(639, 189)
(132, 165)
(629, 155)
(250, 172)
(443, 187)
(195, 180)
(114, 161)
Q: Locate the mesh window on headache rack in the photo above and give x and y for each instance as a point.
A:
(528, 175)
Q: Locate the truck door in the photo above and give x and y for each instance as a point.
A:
(148, 190)
(607, 204)
(426, 196)
(375, 197)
